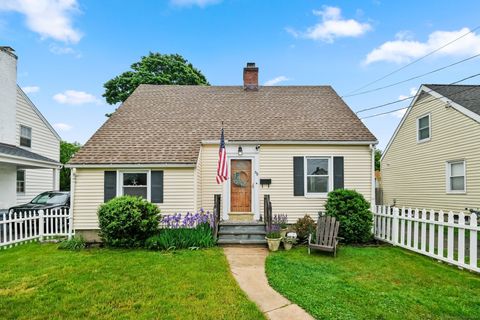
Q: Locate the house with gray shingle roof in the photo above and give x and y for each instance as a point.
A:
(29, 146)
(433, 159)
(294, 143)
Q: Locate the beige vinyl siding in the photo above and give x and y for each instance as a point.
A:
(178, 196)
(276, 163)
(198, 182)
(44, 142)
(414, 174)
(209, 186)
(87, 198)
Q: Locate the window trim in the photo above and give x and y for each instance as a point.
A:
(305, 177)
(24, 181)
(429, 115)
(448, 171)
(20, 136)
(120, 186)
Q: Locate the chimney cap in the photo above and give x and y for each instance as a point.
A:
(9, 50)
(250, 64)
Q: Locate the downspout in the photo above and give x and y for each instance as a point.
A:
(73, 175)
(372, 192)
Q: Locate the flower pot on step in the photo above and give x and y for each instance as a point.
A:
(273, 244)
(287, 245)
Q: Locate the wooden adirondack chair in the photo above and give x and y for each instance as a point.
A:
(326, 236)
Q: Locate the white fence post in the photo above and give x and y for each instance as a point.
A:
(461, 238)
(41, 225)
(473, 240)
(395, 226)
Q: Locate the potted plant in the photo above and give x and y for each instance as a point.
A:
(289, 240)
(273, 237)
(282, 221)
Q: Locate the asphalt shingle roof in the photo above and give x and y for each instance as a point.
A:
(166, 124)
(467, 96)
(12, 150)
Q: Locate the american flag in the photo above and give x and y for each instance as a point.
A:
(222, 167)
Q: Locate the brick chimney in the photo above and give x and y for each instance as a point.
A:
(250, 77)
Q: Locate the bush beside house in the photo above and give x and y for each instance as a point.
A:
(127, 221)
(353, 212)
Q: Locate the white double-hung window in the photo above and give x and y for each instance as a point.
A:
(424, 127)
(456, 182)
(318, 175)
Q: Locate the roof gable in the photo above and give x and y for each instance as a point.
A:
(39, 114)
(166, 124)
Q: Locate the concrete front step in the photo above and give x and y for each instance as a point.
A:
(222, 242)
(240, 216)
(231, 232)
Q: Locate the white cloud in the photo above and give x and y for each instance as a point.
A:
(30, 89)
(75, 97)
(190, 3)
(276, 80)
(49, 18)
(332, 26)
(400, 113)
(405, 49)
(62, 126)
(60, 50)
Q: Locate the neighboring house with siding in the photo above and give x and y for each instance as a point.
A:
(294, 143)
(29, 146)
(433, 159)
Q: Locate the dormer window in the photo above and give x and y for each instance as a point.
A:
(424, 131)
(25, 136)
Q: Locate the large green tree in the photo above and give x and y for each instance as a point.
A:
(155, 68)
(67, 150)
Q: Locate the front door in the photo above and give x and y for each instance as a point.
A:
(241, 186)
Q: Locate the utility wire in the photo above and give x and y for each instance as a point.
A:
(387, 112)
(411, 97)
(413, 62)
(412, 78)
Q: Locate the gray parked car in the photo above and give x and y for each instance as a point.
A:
(46, 200)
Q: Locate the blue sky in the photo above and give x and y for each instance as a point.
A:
(68, 48)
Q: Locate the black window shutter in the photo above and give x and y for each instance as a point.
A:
(298, 180)
(338, 173)
(157, 187)
(109, 185)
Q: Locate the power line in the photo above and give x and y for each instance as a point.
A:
(412, 78)
(387, 112)
(413, 62)
(411, 97)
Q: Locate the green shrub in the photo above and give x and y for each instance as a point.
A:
(182, 238)
(127, 221)
(353, 212)
(303, 227)
(75, 243)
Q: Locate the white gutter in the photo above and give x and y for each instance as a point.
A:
(132, 165)
(303, 142)
(29, 162)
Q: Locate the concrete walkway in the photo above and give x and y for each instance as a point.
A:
(248, 267)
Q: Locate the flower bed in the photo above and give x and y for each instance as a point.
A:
(189, 231)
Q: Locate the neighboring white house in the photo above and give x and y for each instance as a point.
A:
(293, 143)
(433, 158)
(29, 146)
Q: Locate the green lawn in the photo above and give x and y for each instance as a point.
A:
(38, 281)
(374, 283)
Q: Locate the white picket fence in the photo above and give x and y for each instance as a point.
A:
(446, 236)
(31, 225)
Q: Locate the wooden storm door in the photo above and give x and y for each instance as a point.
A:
(241, 186)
